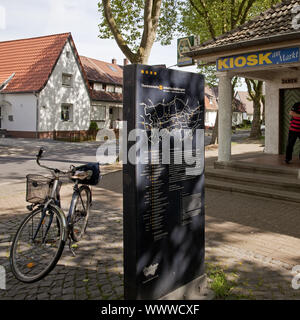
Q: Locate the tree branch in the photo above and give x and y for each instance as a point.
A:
(232, 20)
(147, 22)
(206, 16)
(151, 18)
(239, 13)
(249, 5)
(156, 8)
(252, 96)
(115, 31)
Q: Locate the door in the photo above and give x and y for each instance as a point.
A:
(287, 98)
(0, 117)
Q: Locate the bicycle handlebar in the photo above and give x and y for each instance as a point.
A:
(55, 170)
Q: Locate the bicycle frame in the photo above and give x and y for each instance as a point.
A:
(55, 199)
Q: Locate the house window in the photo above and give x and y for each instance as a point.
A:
(66, 112)
(99, 113)
(98, 87)
(66, 80)
(68, 54)
(119, 89)
(110, 88)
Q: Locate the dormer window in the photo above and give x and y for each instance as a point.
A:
(67, 80)
(98, 87)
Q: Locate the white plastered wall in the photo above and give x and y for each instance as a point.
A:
(55, 94)
(22, 108)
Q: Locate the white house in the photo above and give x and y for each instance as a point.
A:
(211, 106)
(243, 96)
(49, 95)
(106, 91)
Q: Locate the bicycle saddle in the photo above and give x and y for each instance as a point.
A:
(81, 175)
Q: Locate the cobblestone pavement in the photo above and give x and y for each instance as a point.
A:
(96, 272)
(244, 243)
(254, 240)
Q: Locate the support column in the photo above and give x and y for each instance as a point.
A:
(225, 116)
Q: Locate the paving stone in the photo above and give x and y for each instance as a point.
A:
(237, 232)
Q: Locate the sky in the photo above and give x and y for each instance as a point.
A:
(33, 18)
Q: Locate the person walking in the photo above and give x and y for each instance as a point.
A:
(294, 131)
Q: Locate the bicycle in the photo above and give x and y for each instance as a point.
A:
(40, 239)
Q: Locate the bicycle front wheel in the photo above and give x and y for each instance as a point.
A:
(81, 212)
(37, 245)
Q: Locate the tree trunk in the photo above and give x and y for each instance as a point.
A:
(255, 129)
(214, 136)
(151, 18)
(263, 100)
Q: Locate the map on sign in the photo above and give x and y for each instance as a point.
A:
(174, 115)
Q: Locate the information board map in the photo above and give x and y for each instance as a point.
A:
(176, 114)
(163, 206)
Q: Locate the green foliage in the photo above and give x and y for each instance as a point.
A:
(93, 126)
(129, 17)
(210, 19)
(210, 74)
(219, 283)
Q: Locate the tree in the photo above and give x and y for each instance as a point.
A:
(135, 25)
(255, 91)
(209, 19)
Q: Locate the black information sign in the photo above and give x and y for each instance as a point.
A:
(164, 195)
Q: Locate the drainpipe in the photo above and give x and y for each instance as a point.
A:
(37, 115)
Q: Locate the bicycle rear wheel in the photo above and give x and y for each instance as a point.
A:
(81, 213)
(38, 244)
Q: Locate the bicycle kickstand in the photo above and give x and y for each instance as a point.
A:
(70, 247)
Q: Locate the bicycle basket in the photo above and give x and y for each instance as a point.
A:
(94, 179)
(38, 188)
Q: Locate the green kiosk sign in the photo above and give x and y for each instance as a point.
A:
(184, 45)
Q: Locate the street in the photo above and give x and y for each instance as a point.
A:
(17, 156)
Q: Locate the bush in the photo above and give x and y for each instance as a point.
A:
(246, 123)
(93, 126)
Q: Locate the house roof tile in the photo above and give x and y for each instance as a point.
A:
(32, 60)
(245, 99)
(106, 96)
(100, 71)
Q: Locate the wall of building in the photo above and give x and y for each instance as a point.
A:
(100, 112)
(272, 112)
(237, 118)
(55, 94)
(210, 118)
(21, 109)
